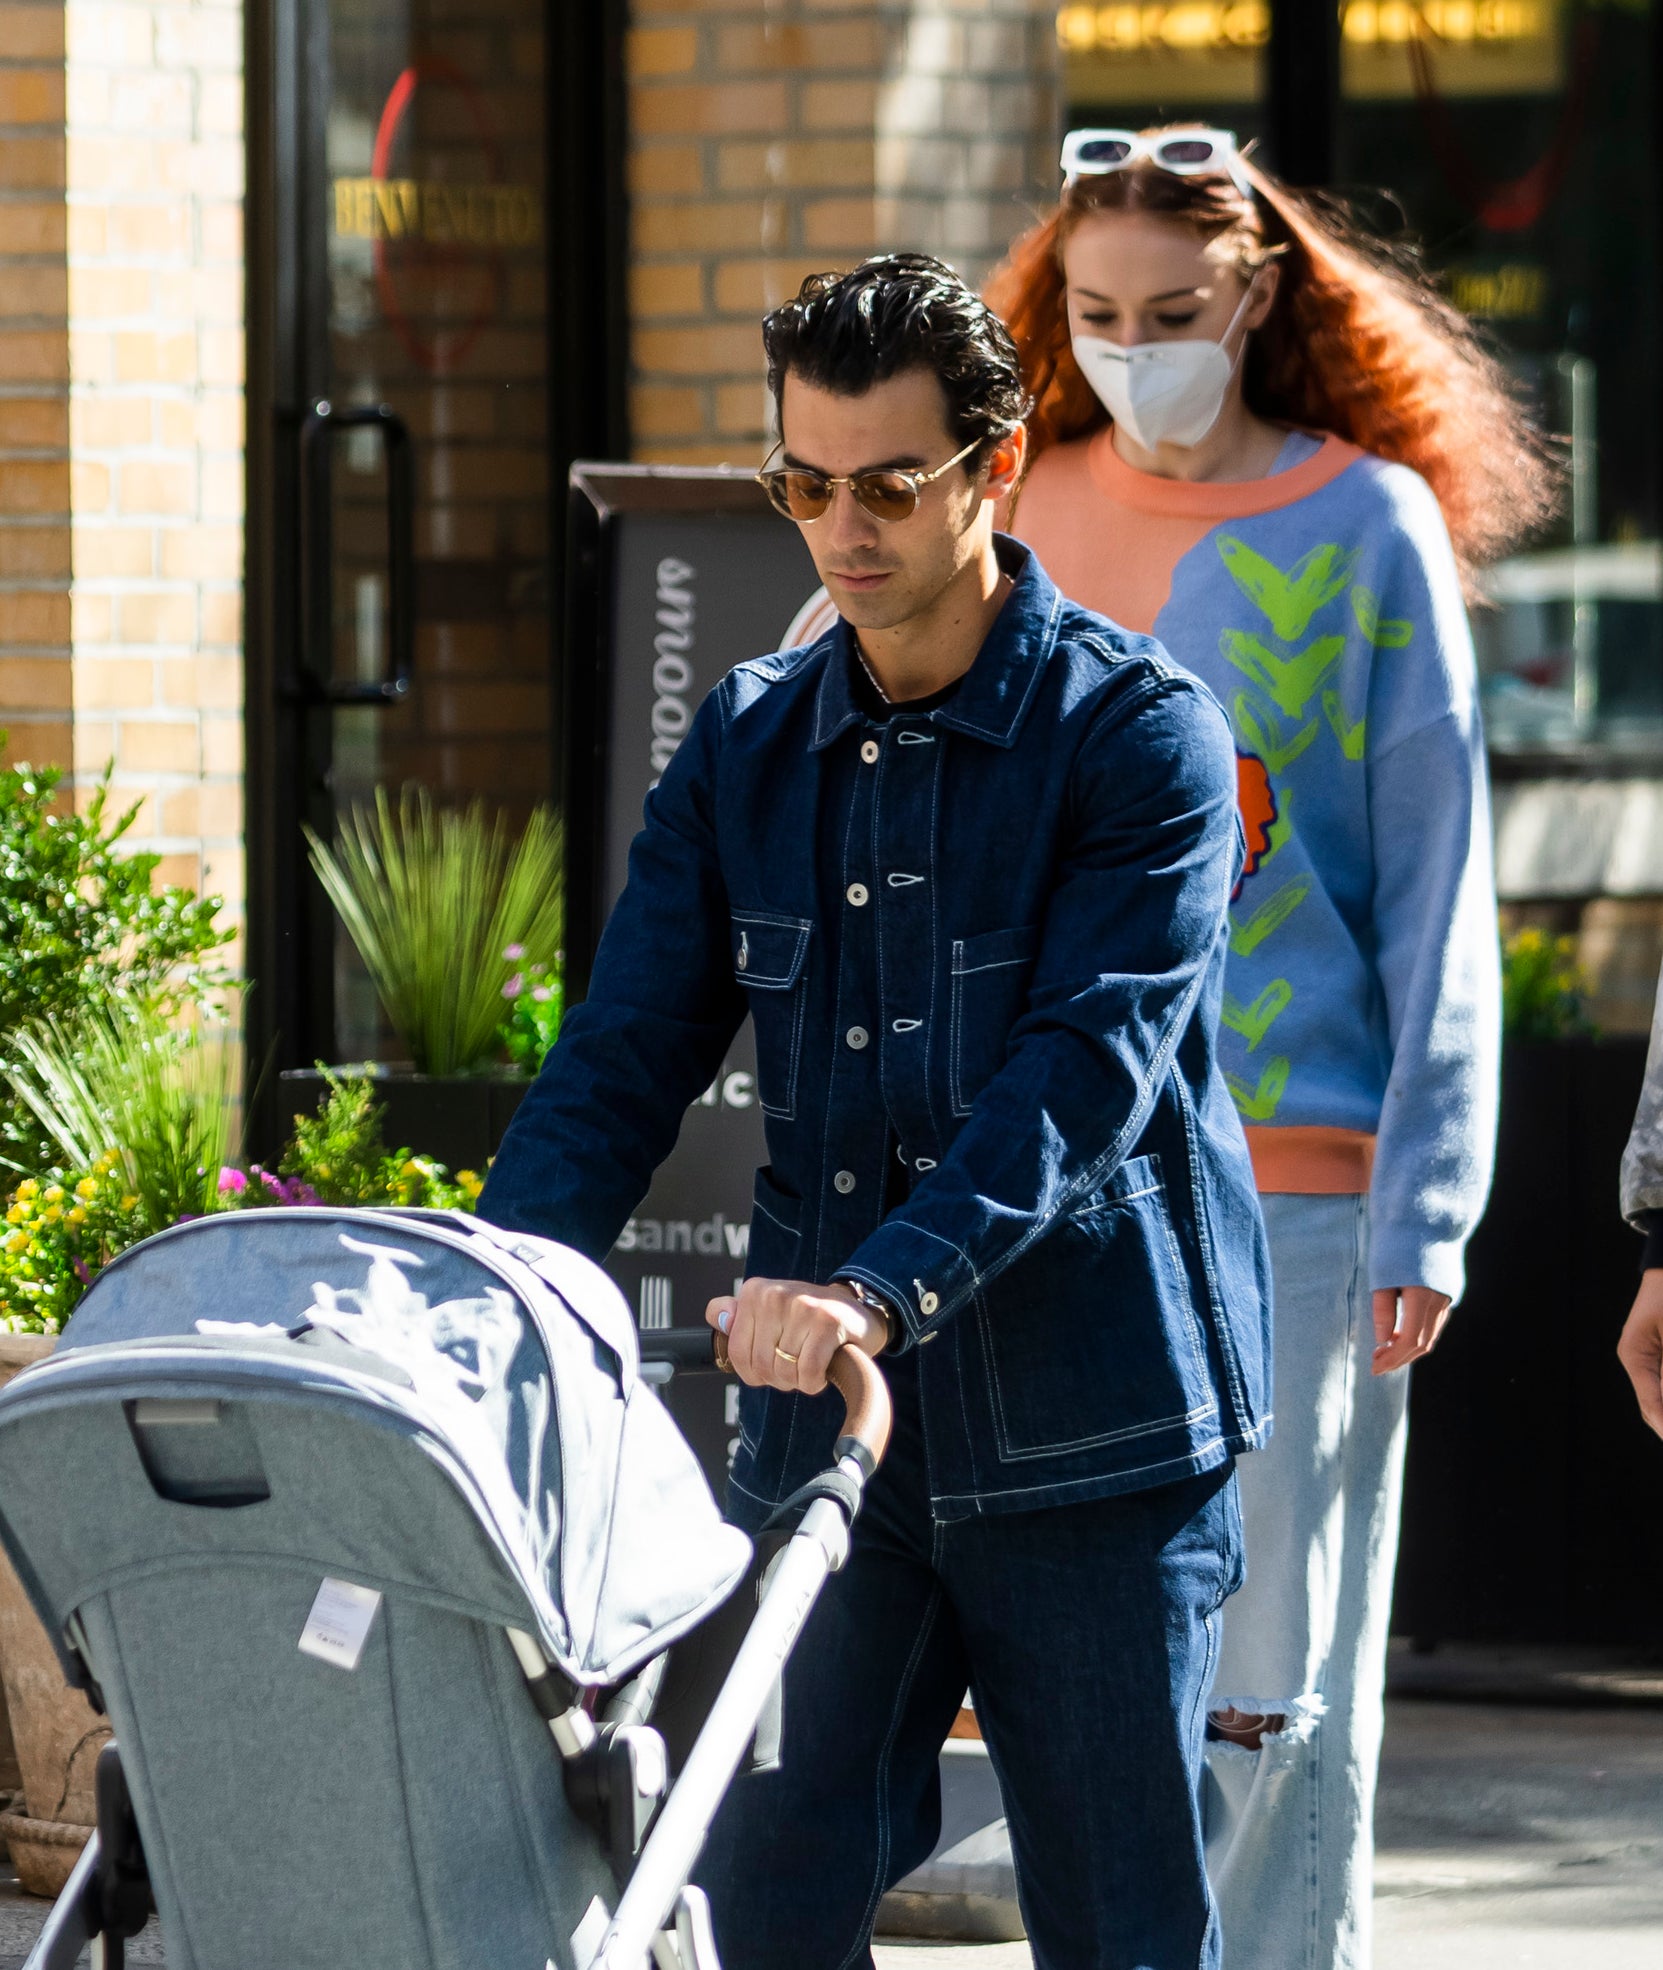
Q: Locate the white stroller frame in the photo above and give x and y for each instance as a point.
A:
(615, 1767)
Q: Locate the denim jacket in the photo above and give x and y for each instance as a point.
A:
(989, 938)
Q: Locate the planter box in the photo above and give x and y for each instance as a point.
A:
(58, 1733)
(458, 1119)
(1529, 1467)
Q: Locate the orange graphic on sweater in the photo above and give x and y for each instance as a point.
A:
(1256, 798)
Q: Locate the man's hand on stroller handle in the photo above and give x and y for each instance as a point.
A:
(782, 1333)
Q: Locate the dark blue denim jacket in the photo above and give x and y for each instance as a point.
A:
(992, 935)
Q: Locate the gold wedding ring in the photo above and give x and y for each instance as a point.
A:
(783, 1355)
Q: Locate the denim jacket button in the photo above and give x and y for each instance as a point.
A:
(857, 894)
(869, 752)
(843, 1182)
(857, 1036)
(928, 1303)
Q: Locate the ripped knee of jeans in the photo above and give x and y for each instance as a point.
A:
(1253, 1722)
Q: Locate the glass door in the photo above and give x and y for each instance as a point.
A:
(402, 545)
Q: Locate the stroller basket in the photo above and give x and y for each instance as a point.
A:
(368, 1533)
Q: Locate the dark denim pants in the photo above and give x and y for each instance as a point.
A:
(1088, 1633)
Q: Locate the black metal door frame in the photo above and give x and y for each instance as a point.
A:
(289, 1014)
(1302, 91)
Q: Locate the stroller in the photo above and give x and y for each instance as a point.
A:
(368, 1534)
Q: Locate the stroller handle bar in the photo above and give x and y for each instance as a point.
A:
(853, 1373)
(869, 1413)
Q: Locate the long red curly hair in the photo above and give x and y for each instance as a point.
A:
(1358, 342)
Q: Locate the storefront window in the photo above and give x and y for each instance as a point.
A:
(1137, 65)
(1516, 135)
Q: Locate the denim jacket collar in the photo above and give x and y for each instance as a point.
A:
(998, 687)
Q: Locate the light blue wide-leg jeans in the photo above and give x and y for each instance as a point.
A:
(1290, 1843)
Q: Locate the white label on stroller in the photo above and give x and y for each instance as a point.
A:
(339, 1623)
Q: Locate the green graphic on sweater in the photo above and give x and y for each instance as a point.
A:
(1254, 1021)
(1246, 936)
(1289, 598)
(1389, 634)
(1290, 682)
(1353, 738)
(1265, 736)
(1281, 829)
(1258, 1102)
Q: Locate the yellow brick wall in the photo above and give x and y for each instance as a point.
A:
(772, 138)
(36, 702)
(121, 412)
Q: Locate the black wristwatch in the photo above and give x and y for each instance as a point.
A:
(876, 1303)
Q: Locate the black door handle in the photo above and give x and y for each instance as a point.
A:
(317, 433)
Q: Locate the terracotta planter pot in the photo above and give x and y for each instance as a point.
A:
(57, 1733)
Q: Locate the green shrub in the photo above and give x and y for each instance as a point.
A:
(1542, 987)
(82, 922)
(337, 1156)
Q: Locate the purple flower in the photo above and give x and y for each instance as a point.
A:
(513, 951)
(83, 1271)
(232, 1182)
(542, 993)
(273, 1184)
(513, 988)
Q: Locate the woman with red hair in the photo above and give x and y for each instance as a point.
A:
(1276, 448)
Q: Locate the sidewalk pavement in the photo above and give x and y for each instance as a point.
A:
(1511, 1837)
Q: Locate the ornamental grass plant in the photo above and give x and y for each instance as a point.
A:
(435, 900)
(120, 1076)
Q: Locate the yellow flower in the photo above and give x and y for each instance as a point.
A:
(109, 1159)
(56, 1194)
(17, 1244)
(53, 1213)
(16, 1214)
(28, 1188)
(411, 1169)
(469, 1183)
(87, 1189)
(77, 1216)
(129, 1202)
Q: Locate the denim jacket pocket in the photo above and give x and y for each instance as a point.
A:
(990, 984)
(1092, 1336)
(776, 1222)
(768, 959)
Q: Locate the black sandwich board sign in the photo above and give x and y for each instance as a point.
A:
(676, 574)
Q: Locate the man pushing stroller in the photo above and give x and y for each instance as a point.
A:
(966, 861)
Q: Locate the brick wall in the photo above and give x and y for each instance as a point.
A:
(771, 138)
(36, 701)
(121, 418)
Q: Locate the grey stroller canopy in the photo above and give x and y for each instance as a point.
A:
(509, 1361)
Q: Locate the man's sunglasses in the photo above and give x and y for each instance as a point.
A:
(1185, 153)
(890, 494)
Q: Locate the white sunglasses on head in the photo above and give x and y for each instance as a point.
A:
(1185, 153)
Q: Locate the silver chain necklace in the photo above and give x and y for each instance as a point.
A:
(871, 676)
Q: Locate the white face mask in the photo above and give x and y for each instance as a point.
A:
(1162, 393)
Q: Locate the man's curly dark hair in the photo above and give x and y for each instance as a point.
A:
(901, 311)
